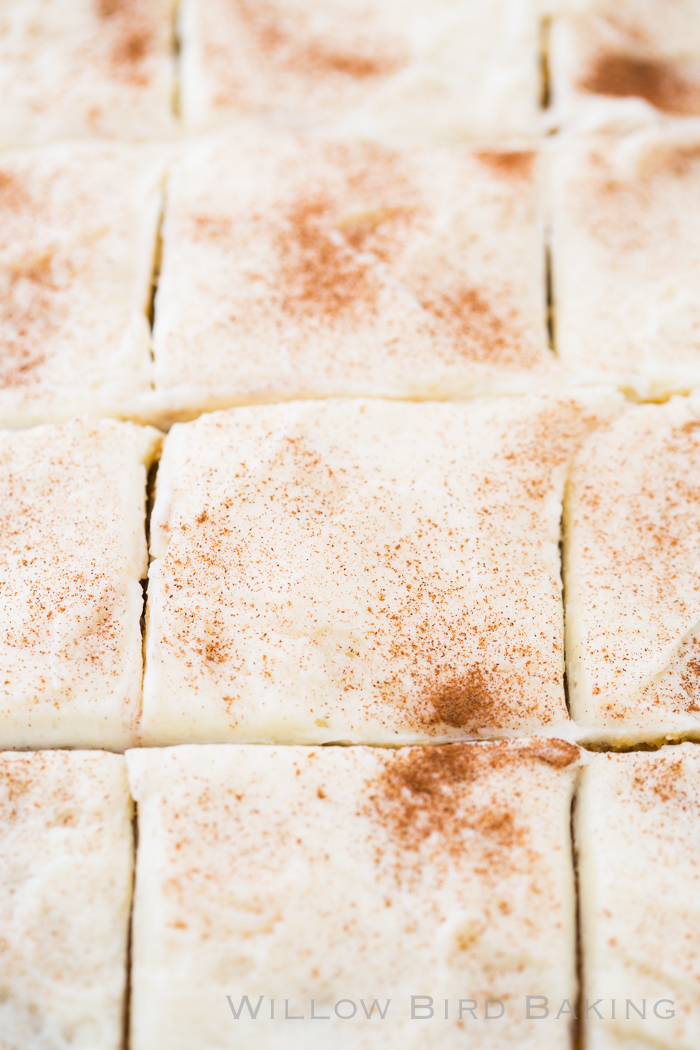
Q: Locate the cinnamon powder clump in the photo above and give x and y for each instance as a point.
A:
(109, 8)
(466, 702)
(420, 794)
(623, 76)
(516, 164)
(424, 792)
(132, 36)
(216, 652)
(359, 67)
(134, 47)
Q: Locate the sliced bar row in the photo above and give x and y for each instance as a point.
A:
(296, 265)
(304, 265)
(355, 571)
(414, 897)
(81, 67)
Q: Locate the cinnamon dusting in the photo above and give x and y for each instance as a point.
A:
(329, 248)
(109, 8)
(285, 43)
(132, 35)
(426, 792)
(321, 275)
(622, 75)
(403, 644)
(690, 681)
(133, 47)
(17, 779)
(516, 164)
(477, 329)
(420, 793)
(663, 777)
(467, 702)
(26, 317)
(67, 559)
(13, 193)
(19, 365)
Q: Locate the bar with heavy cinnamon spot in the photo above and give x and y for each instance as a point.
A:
(336, 878)
(638, 842)
(626, 256)
(623, 76)
(622, 56)
(298, 265)
(72, 554)
(632, 575)
(77, 239)
(429, 69)
(77, 68)
(363, 571)
(66, 860)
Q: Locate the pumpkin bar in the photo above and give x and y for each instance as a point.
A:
(77, 243)
(626, 256)
(297, 265)
(288, 896)
(426, 69)
(72, 554)
(640, 60)
(637, 840)
(365, 571)
(76, 68)
(66, 860)
(631, 568)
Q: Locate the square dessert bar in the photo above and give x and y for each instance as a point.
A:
(365, 571)
(636, 58)
(71, 68)
(66, 863)
(626, 256)
(632, 575)
(426, 68)
(78, 231)
(354, 897)
(72, 553)
(638, 841)
(296, 265)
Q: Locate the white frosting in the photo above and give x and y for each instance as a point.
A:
(304, 266)
(368, 571)
(632, 549)
(349, 874)
(73, 551)
(626, 256)
(79, 226)
(637, 833)
(74, 68)
(438, 69)
(66, 859)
